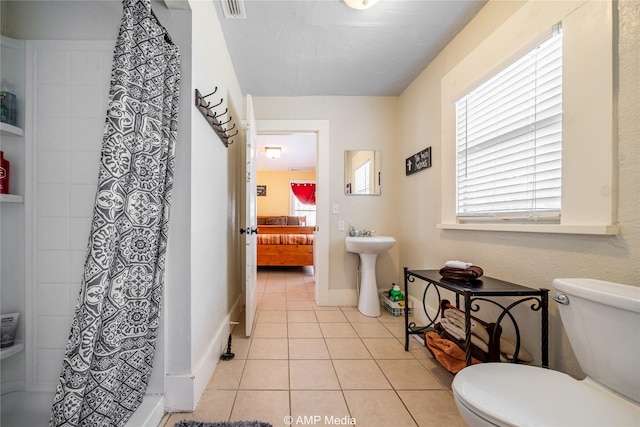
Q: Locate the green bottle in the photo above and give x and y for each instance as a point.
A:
(395, 294)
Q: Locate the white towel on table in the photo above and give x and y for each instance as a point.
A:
(457, 317)
(458, 333)
(507, 347)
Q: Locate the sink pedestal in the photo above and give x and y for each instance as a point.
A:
(369, 302)
(368, 249)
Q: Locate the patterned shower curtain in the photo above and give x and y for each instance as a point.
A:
(111, 346)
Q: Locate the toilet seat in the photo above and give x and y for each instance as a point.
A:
(507, 394)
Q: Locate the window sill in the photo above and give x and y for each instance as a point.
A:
(602, 230)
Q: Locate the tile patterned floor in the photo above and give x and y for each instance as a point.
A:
(313, 363)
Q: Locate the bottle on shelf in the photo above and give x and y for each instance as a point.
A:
(8, 103)
(4, 174)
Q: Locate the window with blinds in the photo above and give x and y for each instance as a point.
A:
(509, 141)
(362, 180)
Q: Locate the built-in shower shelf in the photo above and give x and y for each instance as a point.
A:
(11, 130)
(11, 198)
(11, 351)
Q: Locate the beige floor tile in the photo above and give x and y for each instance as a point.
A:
(371, 330)
(273, 297)
(227, 375)
(396, 329)
(363, 378)
(270, 330)
(360, 375)
(215, 405)
(272, 305)
(318, 408)
(261, 405)
(179, 416)
(306, 316)
(347, 348)
(354, 316)
(332, 316)
(386, 348)
(308, 348)
(300, 297)
(265, 375)
(269, 348)
(304, 330)
(325, 307)
(377, 408)
(408, 375)
(272, 316)
(338, 330)
(433, 408)
(312, 375)
(165, 418)
(275, 288)
(445, 377)
(300, 305)
(387, 317)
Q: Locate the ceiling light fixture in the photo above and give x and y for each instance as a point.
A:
(272, 152)
(360, 4)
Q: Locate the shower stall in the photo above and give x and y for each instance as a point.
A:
(55, 159)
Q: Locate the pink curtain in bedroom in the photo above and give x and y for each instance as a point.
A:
(306, 193)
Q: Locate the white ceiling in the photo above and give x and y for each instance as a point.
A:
(298, 152)
(323, 47)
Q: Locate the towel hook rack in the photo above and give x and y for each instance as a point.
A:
(213, 118)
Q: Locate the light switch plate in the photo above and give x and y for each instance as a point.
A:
(336, 208)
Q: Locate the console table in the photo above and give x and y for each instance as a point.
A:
(472, 292)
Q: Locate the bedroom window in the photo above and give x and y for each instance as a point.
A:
(300, 209)
(509, 141)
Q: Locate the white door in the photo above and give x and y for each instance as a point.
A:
(251, 222)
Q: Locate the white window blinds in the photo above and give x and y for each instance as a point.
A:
(363, 178)
(509, 140)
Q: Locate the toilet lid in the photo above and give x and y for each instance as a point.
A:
(510, 394)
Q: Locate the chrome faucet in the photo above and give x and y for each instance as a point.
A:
(360, 233)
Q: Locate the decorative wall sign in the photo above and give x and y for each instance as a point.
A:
(418, 161)
(261, 190)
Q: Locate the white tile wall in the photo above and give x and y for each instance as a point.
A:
(71, 91)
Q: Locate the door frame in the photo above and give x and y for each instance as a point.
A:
(321, 242)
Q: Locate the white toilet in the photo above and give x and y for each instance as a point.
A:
(602, 320)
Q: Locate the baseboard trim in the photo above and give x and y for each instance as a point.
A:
(150, 412)
(183, 391)
(342, 297)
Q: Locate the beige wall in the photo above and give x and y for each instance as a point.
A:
(355, 123)
(278, 198)
(531, 259)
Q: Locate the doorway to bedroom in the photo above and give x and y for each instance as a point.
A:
(291, 183)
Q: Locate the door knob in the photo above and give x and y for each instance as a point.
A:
(254, 231)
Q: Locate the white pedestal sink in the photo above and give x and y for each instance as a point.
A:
(368, 249)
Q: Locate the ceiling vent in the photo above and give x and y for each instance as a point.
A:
(233, 9)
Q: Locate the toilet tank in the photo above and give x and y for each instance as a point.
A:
(602, 320)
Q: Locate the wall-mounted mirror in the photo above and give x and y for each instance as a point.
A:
(362, 172)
